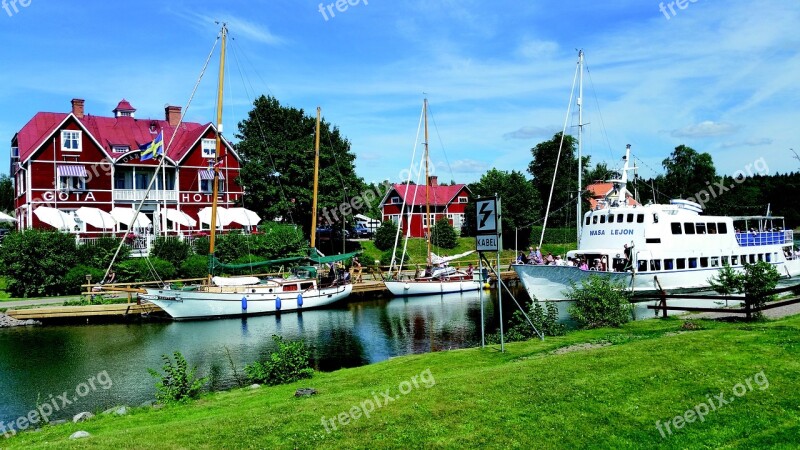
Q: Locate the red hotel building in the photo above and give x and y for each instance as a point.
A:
(69, 160)
(445, 201)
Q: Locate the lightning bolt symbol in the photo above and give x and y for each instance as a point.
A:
(485, 214)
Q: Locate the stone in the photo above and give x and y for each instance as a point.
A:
(79, 435)
(82, 417)
(255, 386)
(117, 411)
(305, 392)
(58, 422)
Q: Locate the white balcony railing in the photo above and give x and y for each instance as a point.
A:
(135, 195)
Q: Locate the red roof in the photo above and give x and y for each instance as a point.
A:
(124, 106)
(110, 132)
(598, 191)
(439, 195)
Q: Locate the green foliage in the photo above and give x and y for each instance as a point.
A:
(231, 246)
(200, 246)
(97, 299)
(385, 235)
(386, 258)
(756, 282)
(553, 235)
(289, 363)
(599, 302)
(727, 281)
(76, 277)
(542, 168)
(98, 252)
(545, 319)
(688, 172)
(443, 234)
(279, 240)
(195, 266)
(138, 269)
(35, 262)
(6, 194)
(170, 249)
(178, 383)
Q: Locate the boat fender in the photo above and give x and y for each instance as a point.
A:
(244, 303)
(278, 303)
(407, 286)
(299, 299)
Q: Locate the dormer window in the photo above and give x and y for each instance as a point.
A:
(70, 141)
(209, 148)
(120, 148)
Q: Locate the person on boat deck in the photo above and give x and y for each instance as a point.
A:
(357, 270)
(428, 271)
(549, 259)
(531, 255)
(604, 263)
(470, 269)
(522, 259)
(583, 265)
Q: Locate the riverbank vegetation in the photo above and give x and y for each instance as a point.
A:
(601, 387)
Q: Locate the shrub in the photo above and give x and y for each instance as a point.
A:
(727, 281)
(170, 249)
(200, 246)
(386, 258)
(76, 277)
(384, 237)
(98, 253)
(178, 383)
(141, 269)
(278, 240)
(231, 246)
(289, 363)
(599, 302)
(545, 319)
(35, 262)
(195, 266)
(758, 280)
(443, 234)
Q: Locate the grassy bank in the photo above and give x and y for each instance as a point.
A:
(601, 388)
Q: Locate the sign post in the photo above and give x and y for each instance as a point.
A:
(489, 239)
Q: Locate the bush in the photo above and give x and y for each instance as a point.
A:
(200, 246)
(139, 269)
(599, 302)
(98, 253)
(756, 282)
(727, 281)
(35, 262)
(279, 240)
(384, 237)
(178, 384)
(545, 319)
(386, 258)
(76, 277)
(170, 249)
(195, 266)
(231, 246)
(555, 235)
(443, 234)
(286, 365)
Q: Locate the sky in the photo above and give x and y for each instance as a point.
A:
(718, 77)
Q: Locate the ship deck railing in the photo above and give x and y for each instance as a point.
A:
(758, 238)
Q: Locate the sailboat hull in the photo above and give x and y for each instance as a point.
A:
(240, 301)
(412, 287)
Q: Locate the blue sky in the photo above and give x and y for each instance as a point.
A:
(719, 77)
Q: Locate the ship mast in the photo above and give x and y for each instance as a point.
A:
(316, 184)
(580, 145)
(215, 192)
(427, 182)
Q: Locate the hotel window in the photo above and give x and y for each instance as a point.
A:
(463, 199)
(688, 228)
(630, 218)
(722, 228)
(71, 177)
(676, 228)
(70, 184)
(680, 263)
(70, 140)
(704, 262)
(207, 186)
(141, 181)
(395, 200)
(700, 228)
(209, 148)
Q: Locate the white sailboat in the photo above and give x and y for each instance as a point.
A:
(245, 296)
(442, 279)
(660, 246)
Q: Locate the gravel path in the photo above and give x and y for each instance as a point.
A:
(775, 313)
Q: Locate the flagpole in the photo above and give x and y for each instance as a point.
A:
(164, 186)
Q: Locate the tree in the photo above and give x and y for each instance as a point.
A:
(520, 203)
(6, 194)
(277, 148)
(443, 235)
(689, 173)
(601, 172)
(599, 302)
(385, 236)
(564, 192)
(35, 262)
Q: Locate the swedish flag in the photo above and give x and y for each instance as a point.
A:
(153, 148)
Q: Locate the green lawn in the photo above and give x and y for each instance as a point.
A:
(529, 397)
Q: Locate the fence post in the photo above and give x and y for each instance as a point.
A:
(664, 304)
(747, 306)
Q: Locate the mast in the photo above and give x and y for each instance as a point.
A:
(316, 184)
(215, 192)
(580, 144)
(427, 182)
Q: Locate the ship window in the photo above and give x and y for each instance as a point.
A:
(305, 286)
(725, 261)
(676, 228)
(712, 228)
(655, 218)
(700, 228)
(693, 263)
(610, 218)
(688, 227)
(722, 228)
(668, 264)
(768, 257)
(752, 259)
(655, 264)
(715, 261)
(640, 218)
(602, 219)
(760, 256)
(735, 260)
(704, 262)
(680, 263)
(594, 220)
(619, 218)
(643, 265)
(587, 220)
(630, 218)
(744, 259)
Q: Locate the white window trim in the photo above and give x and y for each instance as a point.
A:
(463, 199)
(220, 187)
(64, 140)
(394, 201)
(213, 153)
(69, 188)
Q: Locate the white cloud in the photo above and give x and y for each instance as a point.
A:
(748, 143)
(705, 129)
(532, 132)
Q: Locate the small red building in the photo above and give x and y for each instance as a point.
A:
(68, 160)
(600, 191)
(402, 201)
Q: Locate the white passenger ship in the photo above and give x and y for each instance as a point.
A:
(672, 245)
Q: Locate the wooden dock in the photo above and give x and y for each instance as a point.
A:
(73, 312)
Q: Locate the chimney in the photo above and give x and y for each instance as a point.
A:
(77, 107)
(173, 115)
(433, 181)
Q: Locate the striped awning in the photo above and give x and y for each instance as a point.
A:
(208, 174)
(71, 170)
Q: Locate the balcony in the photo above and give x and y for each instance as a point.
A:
(135, 195)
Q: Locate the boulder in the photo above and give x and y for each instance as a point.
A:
(82, 417)
(305, 392)
(255, 386)
(117, 411)
(79, 435)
